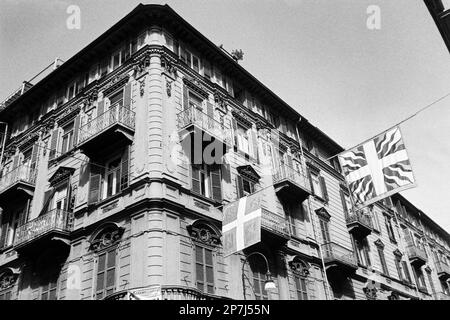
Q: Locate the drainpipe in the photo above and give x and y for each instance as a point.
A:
(311, 217)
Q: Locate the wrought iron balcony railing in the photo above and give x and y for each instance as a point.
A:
(165, 292)
(333, 252)
(114, 115)
(23, 174)
(274, 223)
(196, 117)
(56, 220)
(285, 172)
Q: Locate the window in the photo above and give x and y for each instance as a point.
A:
(7, 282)
(325, 230)
(318, 185)
(116, 60)
(207, 181)
(420, 279)
(111, 184)
(207, 69)
(204, 269)
(430, 280)
(398, 265)
(104, 243)
(362, 251)
(406, 271)
(109, 179)
(300, 286)
(258, 277)
(390, 230)
(12, 226)
(67, 138)
(60, 198)
(72, 90)
(49, 285)
(195, 101)
(346, 202)
(384, 267)
(242, 139)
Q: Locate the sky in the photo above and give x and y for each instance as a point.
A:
(317, 55)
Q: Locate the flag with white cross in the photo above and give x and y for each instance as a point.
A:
(241, 225)
(377, 168)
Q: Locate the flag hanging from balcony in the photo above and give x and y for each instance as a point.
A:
(377, 168)
(241, 225)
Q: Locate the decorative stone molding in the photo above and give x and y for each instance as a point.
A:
(247, 171)
(196, 86)
(220, 100)
(28, 140)
(108, 236)
(7, 279)
(379, 243)
(48, 126)
(202, 232)
(299, 267)
(61, 174)
(242, 118)
(142, 87)
(169, 67)
(90, 97)
(115, 83)
(68, 114)
(168, 87)
(323, 213)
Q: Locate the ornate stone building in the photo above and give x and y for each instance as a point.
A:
(103, 198)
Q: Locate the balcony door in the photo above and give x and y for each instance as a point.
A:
(60, 198)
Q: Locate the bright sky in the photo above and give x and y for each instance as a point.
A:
(317, 55)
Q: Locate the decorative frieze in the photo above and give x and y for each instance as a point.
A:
(115, 83)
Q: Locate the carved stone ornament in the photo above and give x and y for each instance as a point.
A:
(7, 279)
(28, 140)
(141, 64)
(220, 101)
(370, 291)
(106, 238)
(47, 127)
(142, 87)
(299, 267)
(115, 83)
(169, 67)
(90, 98)
(169, 88)
(242, 118)
(203, 233)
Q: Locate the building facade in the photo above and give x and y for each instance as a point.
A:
(104, 194)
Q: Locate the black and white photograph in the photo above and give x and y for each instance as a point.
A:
(225, 155)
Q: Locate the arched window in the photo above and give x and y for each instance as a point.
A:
(7, 280)
(300, 272)
(259, 277)
(206, 238)
(104, 242)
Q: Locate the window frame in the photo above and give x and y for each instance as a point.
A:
(205, 284)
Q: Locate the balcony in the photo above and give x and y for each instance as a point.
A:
(359, 224)
(54, 225)
(417, 256)
(275, 225)
(199, 125)
(290, 183)
(443, 270)
(442, 296)
(339, 259)
(165, 292)
(20, 180)
(116, 125)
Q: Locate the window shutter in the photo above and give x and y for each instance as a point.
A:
(195, 179)
(15, 161)
(127, 96)
(239, 186)
(4, 224)
(125, 169)
(289, 161)
(324, 188)
(234, 124)
(185, 98)
(216, 183)
(344, 203)
(210, 109)
(95, 181)
(34, 155)
(76, 128)
(48, 195)
(54, 144)
(255, 145)
(308, 172)
(100, 107)
(406, 271)
(366, 253)
(226, 172)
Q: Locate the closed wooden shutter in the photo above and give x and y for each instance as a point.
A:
(210, 109)
(34, 155)
(406, 271)
(239, 186)
(235, 132)
(100, 107)
(48, 196)
(226, 172)
(308, 172)
(15, 161)
(344, 203)
(76, 128)
(324, 188)
(54, 144)
(195, 179)
(185, 98)
(125, 169)
(255, 145)
(127, 96)
(95, 181)
(4, 228)
(289, 161)
(216, 183)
